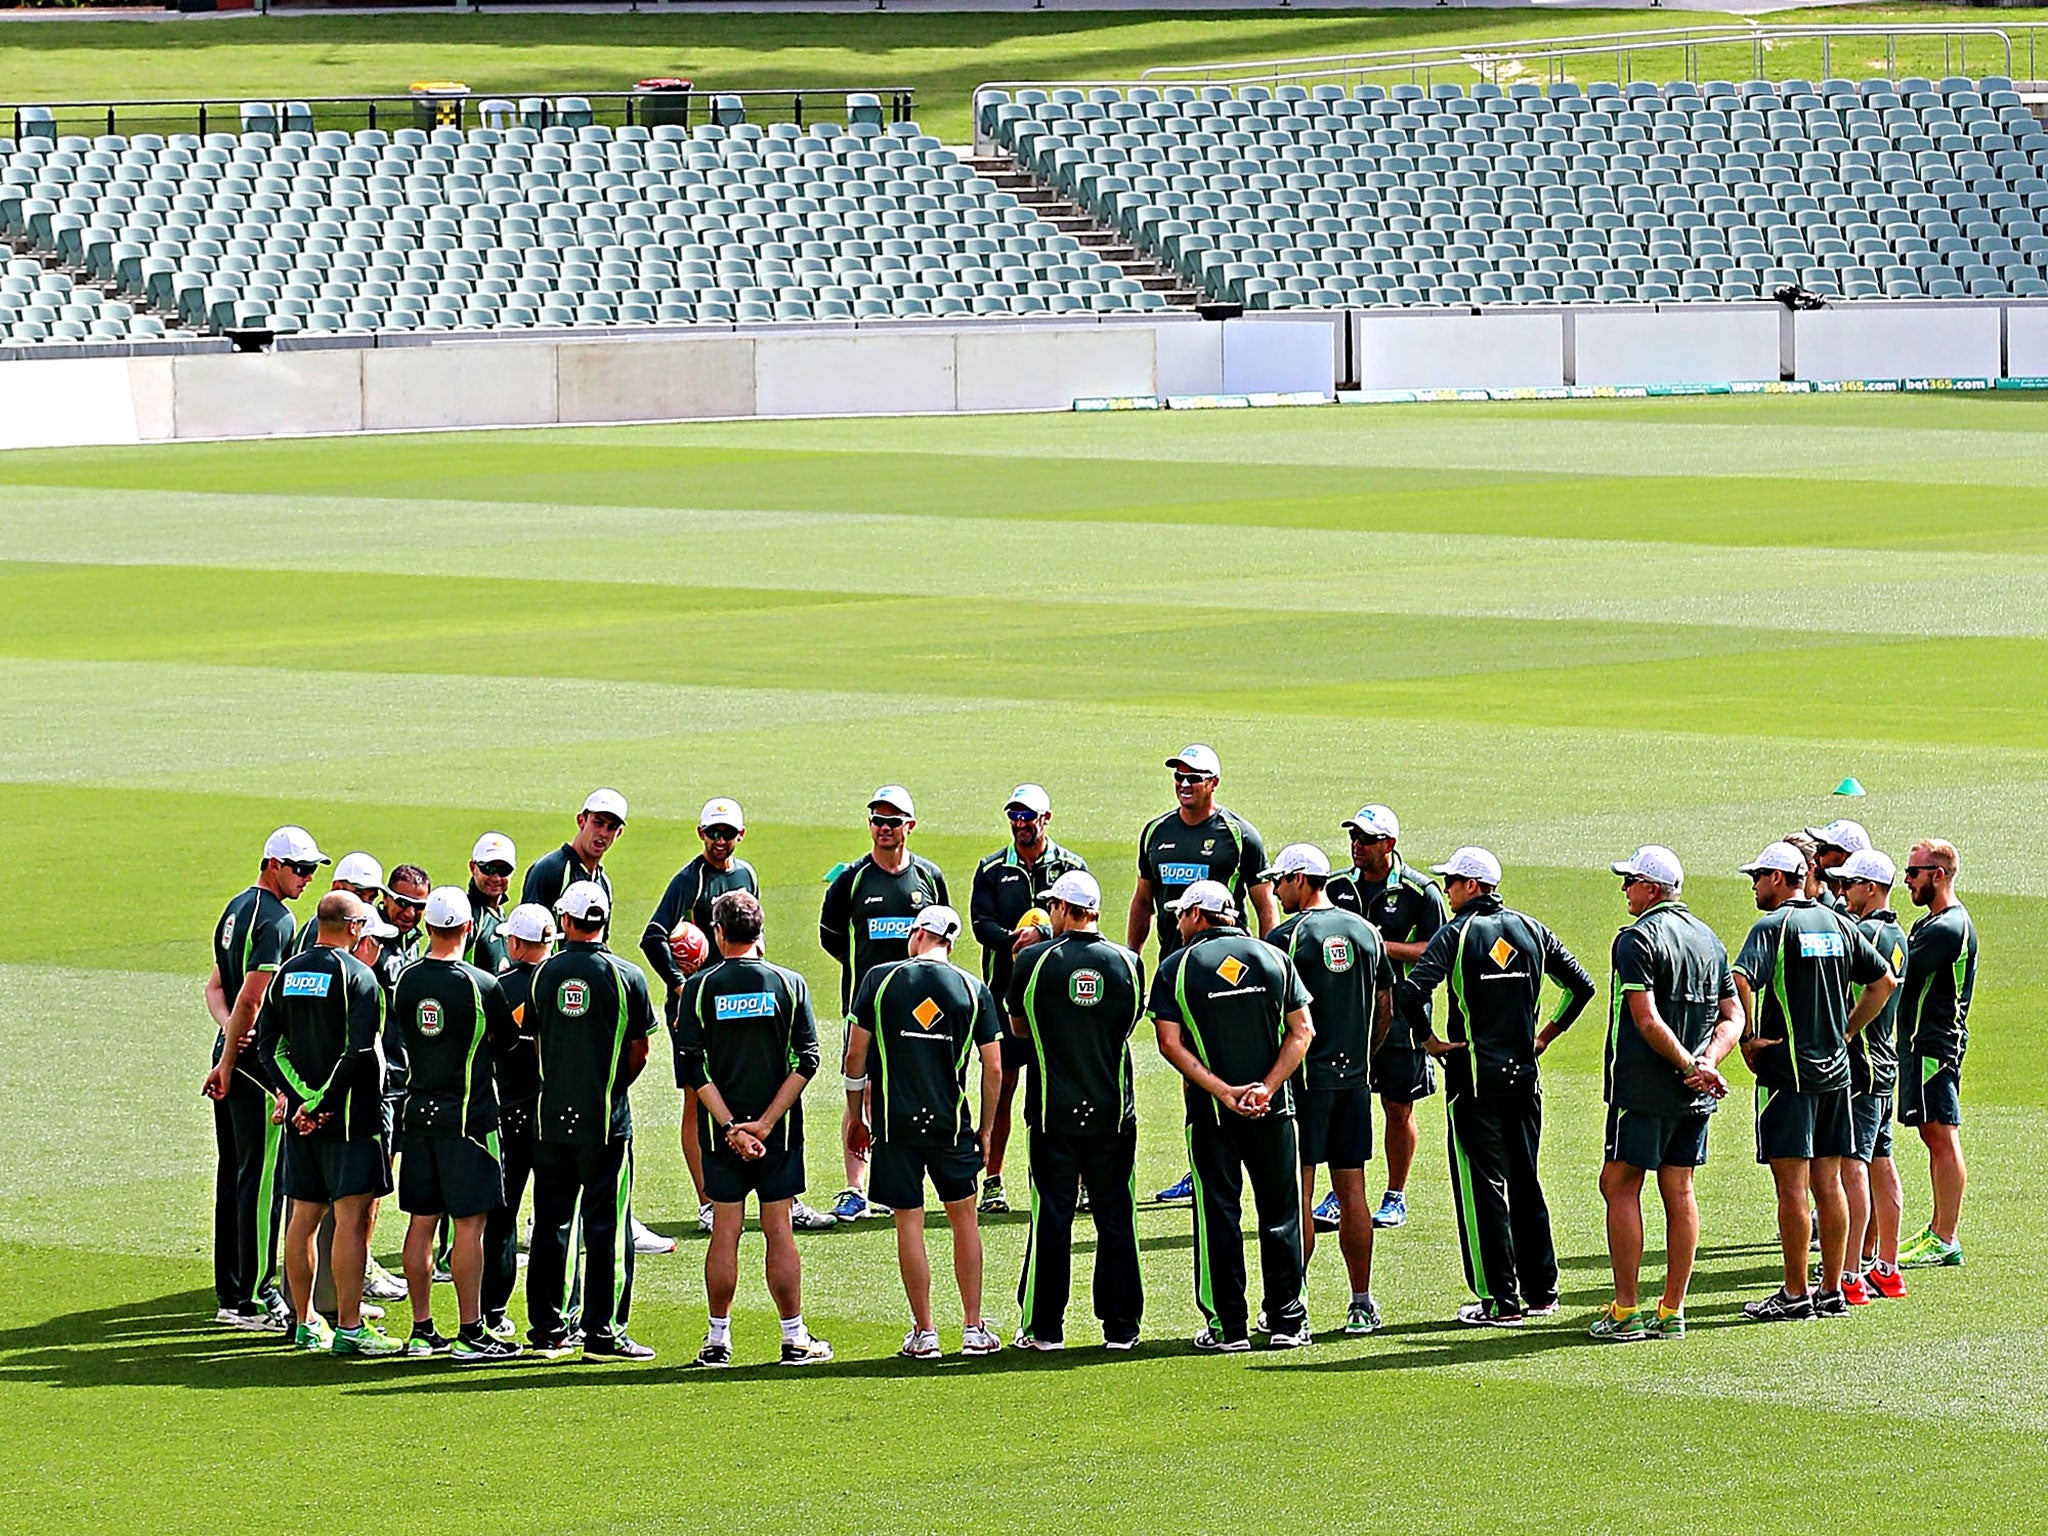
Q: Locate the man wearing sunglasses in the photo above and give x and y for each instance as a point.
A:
(865, 922)
(401, 905)
(491, 864)
(1407, 908)
(1007, 884)
(600, 823)
(1832, 846)
(252, 939)
(1934, 1032)
(362, 877)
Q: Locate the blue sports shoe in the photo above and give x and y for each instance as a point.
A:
(851, 1205)
(1393, 1211)
(1184, 1190)
(1326, 1213)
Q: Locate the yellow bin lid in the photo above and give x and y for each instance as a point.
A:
(437, 87)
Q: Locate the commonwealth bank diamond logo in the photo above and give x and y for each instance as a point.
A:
(1502, 952)
(1231, 970)
(927, 1013)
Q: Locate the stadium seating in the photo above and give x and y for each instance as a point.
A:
(518, 227)
(1322, 197)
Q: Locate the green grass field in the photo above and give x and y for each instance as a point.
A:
(1558, 630)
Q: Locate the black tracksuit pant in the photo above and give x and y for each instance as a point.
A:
(1223, 1154)
(248, 1194)
(501, 1227)
(593, 1181)
(1059, 1164)
(1503, 1220)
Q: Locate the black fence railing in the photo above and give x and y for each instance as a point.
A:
(450, 105)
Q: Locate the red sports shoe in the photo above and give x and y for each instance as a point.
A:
(1888, 1283)
(1855, 1292)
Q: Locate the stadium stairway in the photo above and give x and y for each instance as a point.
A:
(1071, 219)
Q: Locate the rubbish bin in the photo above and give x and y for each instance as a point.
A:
(438, 103)
(662, 101)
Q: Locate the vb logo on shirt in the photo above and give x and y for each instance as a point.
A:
(880, 928)
(573, 998)
(1821, 946)
(1337, 954)
(745, 1005)
(428, 1017)
(1085, 988)
(307, 984)
(1182, 874)
(1232, 970)
(927, 1013)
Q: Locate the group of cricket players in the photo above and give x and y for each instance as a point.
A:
(483, 1047)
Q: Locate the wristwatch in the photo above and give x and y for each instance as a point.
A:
(725, 1130)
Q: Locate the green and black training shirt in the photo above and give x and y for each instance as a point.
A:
(1407, 907)
(1800, 961)
(553, 873)
(1080, 996)
(254, 934)
(449, 1012)
(1941, 978)
(585, 1004)
(1874, 1049)
(690, 895)
(745, 1025)
(928, 1018)
(1173, 855)
(1677, 959)
(516, 1064)
(865, 921)
(1343, 962)
(319, 1038)
(1230, 994)
(486, 950)
(1005, 888)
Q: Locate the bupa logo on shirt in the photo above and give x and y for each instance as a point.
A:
(1231, 970)
(1337, 954)
(1085, 988)
(927, 1013)
(428, 1017)
(745, 1005)
(1821, 946)
(307, 984)
(888, 928)
(1182, 874)
(573, 998)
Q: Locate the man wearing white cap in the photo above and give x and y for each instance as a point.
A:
(1674, 1019)
(1196, 840)
(590, 1017)
(1073, 1000)
(1870, 1179)
(357, 873)
(1407, 908)
(1006, 886)
(1343, 963)
(688, 898)
(1832, 844)
(491, 863)
(1794, 976)
(865, 922)
(250, 941)
(925, 1020)
(448, 1126)
(528, 933)
(1232, 1018)
(1495, 959)
(599, 824)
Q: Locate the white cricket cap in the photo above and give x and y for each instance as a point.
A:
(606, 802)
(943, 921)
(377, 927)
(1299, 859)
(293, 845)
(722, 813)
(1206, 896)
(494, 848)
(1374, 821)
(1841, 833)
(1867, 864)
(1032, 797)
(1782, 857)
(530, 922)
(1654, 863)
(893, 797)
(447, 907)
(360, 871)
(585, 901)
(1077, 888)
(1470, 864)
(1197, 758)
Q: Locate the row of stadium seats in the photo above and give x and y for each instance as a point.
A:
(418, 230)
(1322, 197)
(37, 304)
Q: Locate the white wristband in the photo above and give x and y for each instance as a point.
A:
(853, 1084)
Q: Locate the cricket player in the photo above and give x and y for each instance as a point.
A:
(491, 863)
(1870, 1179)
(1934, 1032)
(528, 934)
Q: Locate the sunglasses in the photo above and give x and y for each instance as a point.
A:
(888, 821)
(406, 902)
(1021, 817)
(1191, 778)
(496, 869)
(720, 834)
(1632, 880)
(305, 871)
(1922, 869)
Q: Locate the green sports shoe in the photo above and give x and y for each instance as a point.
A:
(1916, 1244)
(425, 1342)
(1933, 1254)
(1617, 1327)
(1363, 1318)
(1659, 1326)
(366, 1343)
(313, 1338)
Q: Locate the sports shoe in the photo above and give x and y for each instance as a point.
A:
(993, 1201)
(366, 1343)
(372, 1313)
(1659, 1325)
(805, 1350)
(501, 1327)
(277, 1317)
(1915, 1244)
(1830, 1304)
(1209, 1343)
(1779, 1308)
(714, 1356)
(647, 1240)
(704, 1217)
(1614, 1326)
(1483, 1314)
(880, 1211)
(1934, 1254)
(1363, 1318)
(980, 1340)
(488, 1350)
(1813, 1232)
(618, 1347)
(1393, 1211)
(379, 1284)
(1540, 1308)
(921, 1344)
(249, 1317)
(1121, 1346)
(1024, 1340)
(443, 1275)
(806, 1219)
(313, 1338)
(850, 1206)
(1184, 1190)
(1855, 1292)
(1326, 1212)
(1259, 1323)
(559, 1346)
(1886, 1281)
(1300, 1338)
(425, 1342)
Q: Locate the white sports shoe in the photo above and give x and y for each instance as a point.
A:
(980, 1340)
(647, 1240)
(703, 1217)
(807, 1219)
(921, 1344)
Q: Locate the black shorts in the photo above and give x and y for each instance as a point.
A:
(1650, 1142)
(1930, 1091)
(448, 1176)
(1802, 1125)
(776, 1176)
(322, 1170)
(1403, 1073)
(1871, 1123)
(1335, 1126)
(897, 1169)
